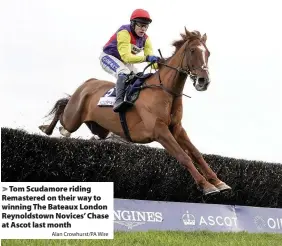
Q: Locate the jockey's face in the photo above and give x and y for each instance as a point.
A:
(141, 28)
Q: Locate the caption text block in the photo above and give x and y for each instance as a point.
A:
(57, 210)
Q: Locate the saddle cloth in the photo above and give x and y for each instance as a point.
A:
(132, 91)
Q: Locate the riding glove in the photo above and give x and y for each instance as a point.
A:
(152, 58)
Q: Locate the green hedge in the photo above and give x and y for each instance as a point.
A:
(138, 171)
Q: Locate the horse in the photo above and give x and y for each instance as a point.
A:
(156, 113)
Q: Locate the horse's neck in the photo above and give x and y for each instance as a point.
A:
(171, 78)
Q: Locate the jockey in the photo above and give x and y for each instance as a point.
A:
(120, 53)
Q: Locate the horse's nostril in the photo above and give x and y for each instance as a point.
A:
(201, 80)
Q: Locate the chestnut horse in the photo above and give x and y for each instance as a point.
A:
(155, 115)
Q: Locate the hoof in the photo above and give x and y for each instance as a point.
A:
(43, 128)
(223, 187)
(211, 191)
(64, 132)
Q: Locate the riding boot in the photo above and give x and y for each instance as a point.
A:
(120, 104)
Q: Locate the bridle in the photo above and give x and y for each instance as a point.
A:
(186, 71)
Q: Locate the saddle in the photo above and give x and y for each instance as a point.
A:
(133, 87)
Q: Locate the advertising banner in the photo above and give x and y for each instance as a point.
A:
(142, 215)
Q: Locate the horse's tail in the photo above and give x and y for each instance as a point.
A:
(59, 106)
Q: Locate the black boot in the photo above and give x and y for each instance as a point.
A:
(120, 104)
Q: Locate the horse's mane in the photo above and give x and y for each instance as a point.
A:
(178, 43)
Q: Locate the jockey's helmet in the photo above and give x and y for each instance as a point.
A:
(140, 15)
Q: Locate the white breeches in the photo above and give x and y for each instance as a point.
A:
(114, 66)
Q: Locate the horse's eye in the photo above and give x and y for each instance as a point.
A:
(192, 50)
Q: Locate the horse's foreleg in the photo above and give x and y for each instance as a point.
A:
(182, 138)
(165, 138)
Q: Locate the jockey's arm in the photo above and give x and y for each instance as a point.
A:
(124, 48)
(148, 50)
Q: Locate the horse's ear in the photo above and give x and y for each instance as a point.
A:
(204, 38)
(187, 32)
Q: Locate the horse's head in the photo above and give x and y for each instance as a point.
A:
(197, 55)
(194, 54)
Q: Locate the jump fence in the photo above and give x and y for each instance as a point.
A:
(152, 191)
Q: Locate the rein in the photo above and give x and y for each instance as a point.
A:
(179, 69)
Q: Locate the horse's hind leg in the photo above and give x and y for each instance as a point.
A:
(57, 110)
(48, 129)
(96, 129)
(72, 117)
(70, 123)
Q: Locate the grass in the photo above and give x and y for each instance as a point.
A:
(155, 238)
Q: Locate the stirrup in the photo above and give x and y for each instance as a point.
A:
(122, 106)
